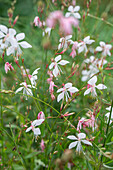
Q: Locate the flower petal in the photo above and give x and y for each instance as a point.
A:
(77, 8)
(87, 91)
(86, 142)
(28, 129)
(60, 96)
(37, 122)
(68, 85)
(73, 89)
(101, 86)
(73, 144)
(63, 62)
(58, 58)
(20, 36)
(81, 135)
(4, 29)
(19, 89)
(24, 44)
(93, 80)
(72, 137)
(36, 131)
(70, 8)
(98, 48)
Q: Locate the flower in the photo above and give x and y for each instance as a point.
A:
(47, 31)
(26, 89)
(74, 48)
(64, 91)
(42, 145)
(37, 22)
(108, 114)
(95, 65)
(64, 42)
(8, 67)
(73, 11)
(80, 138)
(92, 86)
(82, 46)
(35, 130)
(10, 42)
(65, 24)
(55, 64)
(33, 77)
(105, 48)
(41, 115)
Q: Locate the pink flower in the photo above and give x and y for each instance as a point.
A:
(8, 67)
(41, 115)
(74, 48)
(52, 96)
(65, 23)
(51, 86)
(42, 145)
(37, 22)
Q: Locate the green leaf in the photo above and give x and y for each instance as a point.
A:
(32, 154)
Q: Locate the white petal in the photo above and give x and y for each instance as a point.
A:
(77, 15)
(79, 147)
(59, 90)
(68, 85)
(28, 129)
(70, 8)
(60, 96)
(56, 71)
(36, 71)
(80, 49)
(59, 46)
(36, 131)
(63, 62)
(102, 43)
(37, 122)
(81, 135)
(51, 65)
(98, 48)
(19, 89)
(87, 91)
(2, 34)
(77, 8)
(86, 142)
(73, 89)
(24, 44)
(109, 46)
(68, 37)
(10, 50)
(101, 86)
(67, 14)
(108, 108)
(86, 39)
(4, 29)
(73, 144)
(58, 58)
(12, 32)
(90, 42)
(72, 137)
(93, 80)
(20, 36)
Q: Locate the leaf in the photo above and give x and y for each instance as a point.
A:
(13, 126)
(32, 154)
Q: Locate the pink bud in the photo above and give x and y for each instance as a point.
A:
(42, 145)
(41, 115)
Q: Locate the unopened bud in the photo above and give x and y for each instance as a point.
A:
(16, 18)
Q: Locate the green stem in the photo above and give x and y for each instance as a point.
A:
(107, 129)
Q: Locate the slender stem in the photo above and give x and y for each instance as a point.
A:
(107, 129)
(2, 151)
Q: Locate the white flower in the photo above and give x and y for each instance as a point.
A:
(94, 67)
(105, 48)
(35, 130)
(11, 42)
(92, 86)
(108, 114)
(15, 45)
(73, 11)
(33, 77)
(82, 46)
(80, 138)
(64, 91)
(26, 89)
(65, 42)
(47, 32)
(55, 64)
